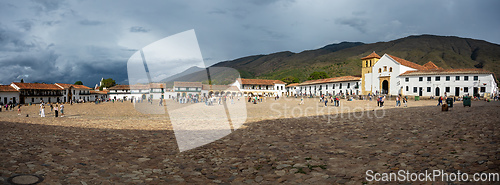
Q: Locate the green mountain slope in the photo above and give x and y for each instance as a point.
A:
(344, 58)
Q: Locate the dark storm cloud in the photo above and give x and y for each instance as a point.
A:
(138, 29)
(25, 24)
(356, 23)
(66, 41)
(218, 11)
(90, 22)
(13, 41)
(47, 5)
(50, 23)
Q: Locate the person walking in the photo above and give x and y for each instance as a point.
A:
(301, 100)
(405, 100)
(440, 101)
(382, 100)
(326, 101)
(379, 98)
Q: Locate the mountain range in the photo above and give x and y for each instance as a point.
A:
(345, 58)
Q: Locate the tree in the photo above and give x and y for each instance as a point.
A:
(22, 80)
(107, 83)
(290, 79)
(78, 83)
(318, 75)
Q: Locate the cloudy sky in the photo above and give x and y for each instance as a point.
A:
(66, 41)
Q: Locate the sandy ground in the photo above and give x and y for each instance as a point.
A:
(279, 142)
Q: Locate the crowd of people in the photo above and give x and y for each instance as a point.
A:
(58, 108)
(55, 107)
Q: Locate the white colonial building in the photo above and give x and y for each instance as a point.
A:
(8, 95)
(292, 89)
(345, 85)
(36, 93)
(395, 76)
(453, 82)
(220, 90)
(75, 93)
(187, 89)
(260, 87)
(119, 92)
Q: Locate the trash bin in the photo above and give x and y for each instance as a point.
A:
(444, 107)
(467, 101)
(417, 98)
(449, 101)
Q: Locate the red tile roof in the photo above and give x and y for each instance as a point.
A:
(98, 92)
(67, 86)
(407, 63)
(187, 84)
(431, 66)
(64, 86)
(36, 86)
(81, 87)
(292, 85)
(7, 88)
(156, 85)
(220, 87)
(259, 81)
(332, 80)
(120, 87)
(445, 71)
(139, 86)
(372, 55)
(148, 86)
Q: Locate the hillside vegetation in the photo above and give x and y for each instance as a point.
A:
(344, 58)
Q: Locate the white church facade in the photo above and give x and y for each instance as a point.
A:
(395, 76)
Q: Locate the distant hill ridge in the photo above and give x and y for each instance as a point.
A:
(344, 58)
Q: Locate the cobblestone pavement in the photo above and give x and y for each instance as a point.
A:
(112, 144)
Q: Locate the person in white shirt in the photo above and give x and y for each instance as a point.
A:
(42, 111)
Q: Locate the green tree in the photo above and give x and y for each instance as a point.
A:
(107, 83)
(290, 79)
(318, 75)
(78, 83)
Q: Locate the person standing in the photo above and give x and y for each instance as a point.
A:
(42, 111)
(382, 100)
(301, 100)
(405, 100)
(56, 112)
(326, 101)
(62, 110)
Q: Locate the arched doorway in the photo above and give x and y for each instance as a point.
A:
(385, 87)
(437, 91)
